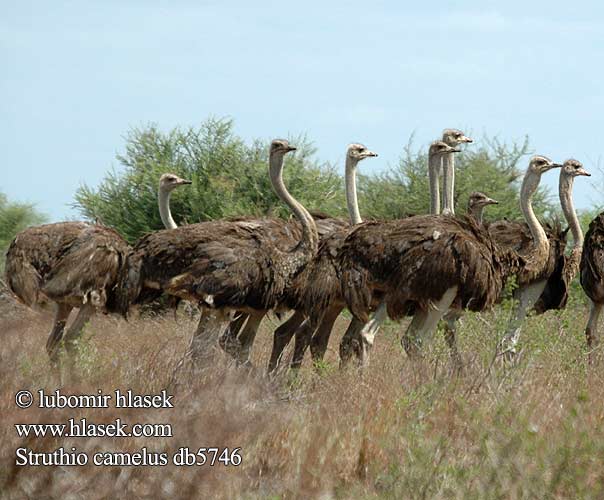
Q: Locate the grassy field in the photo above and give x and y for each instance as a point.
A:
(398, 430)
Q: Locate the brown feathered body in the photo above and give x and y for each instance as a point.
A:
(240, 264)
(414, 261)
(74, 263)
(592, 261)
(319, 285)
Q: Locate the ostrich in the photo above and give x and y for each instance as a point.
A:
(551, 284)
(592, 277)
(453, 138)
(433, 263)
(74, 265)
(319, 287)
(223, 265)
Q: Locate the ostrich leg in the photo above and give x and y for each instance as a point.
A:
(303, 337)
(75, 329)
(591, 331)
(351, 343)
(320, 340)
(527, 297)
(451, 321)
(229, 341)
(73, 334)
(247, 336)
(281, 338)
(369, 331)
(425, 322)
(61, 314)
(211, 325)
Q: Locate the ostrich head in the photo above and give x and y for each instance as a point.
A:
(281, 147)
(168, 182)
(541, 164)
(441, 147)
(479, 200)
(574, 168)
(359, 152)
(454, 137)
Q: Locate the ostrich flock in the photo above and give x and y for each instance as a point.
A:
(430, 267)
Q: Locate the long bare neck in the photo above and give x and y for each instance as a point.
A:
(449, 183)
(434, 161)
(565, 190)
(310, 237)
(351, 191)
(163, 200)
(540, 242)
(476, 213)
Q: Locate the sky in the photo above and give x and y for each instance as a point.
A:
(76, 76)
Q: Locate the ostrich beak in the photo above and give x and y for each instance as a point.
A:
(185, 181)
(582, 171)
(290, 148)
(490, 201)
(370, 154)
(465, 138)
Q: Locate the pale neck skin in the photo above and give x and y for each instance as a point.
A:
(434, 163)
(164, 208)
(351, 190)
(540, 242)
(476, 212)
(565, 189)
(448, 162)
(310, 237)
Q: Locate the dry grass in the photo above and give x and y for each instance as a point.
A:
(401, 430)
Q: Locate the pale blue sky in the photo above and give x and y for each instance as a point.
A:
(76, 75)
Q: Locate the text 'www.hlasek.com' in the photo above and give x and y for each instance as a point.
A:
(112, 428)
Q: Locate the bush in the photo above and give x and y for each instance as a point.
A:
(15, 217)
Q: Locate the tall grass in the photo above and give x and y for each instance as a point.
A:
(398, 430)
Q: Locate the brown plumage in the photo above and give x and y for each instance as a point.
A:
(417, 259)
(244, 264)
(232, 258)
(592, 276)
(74, 264)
